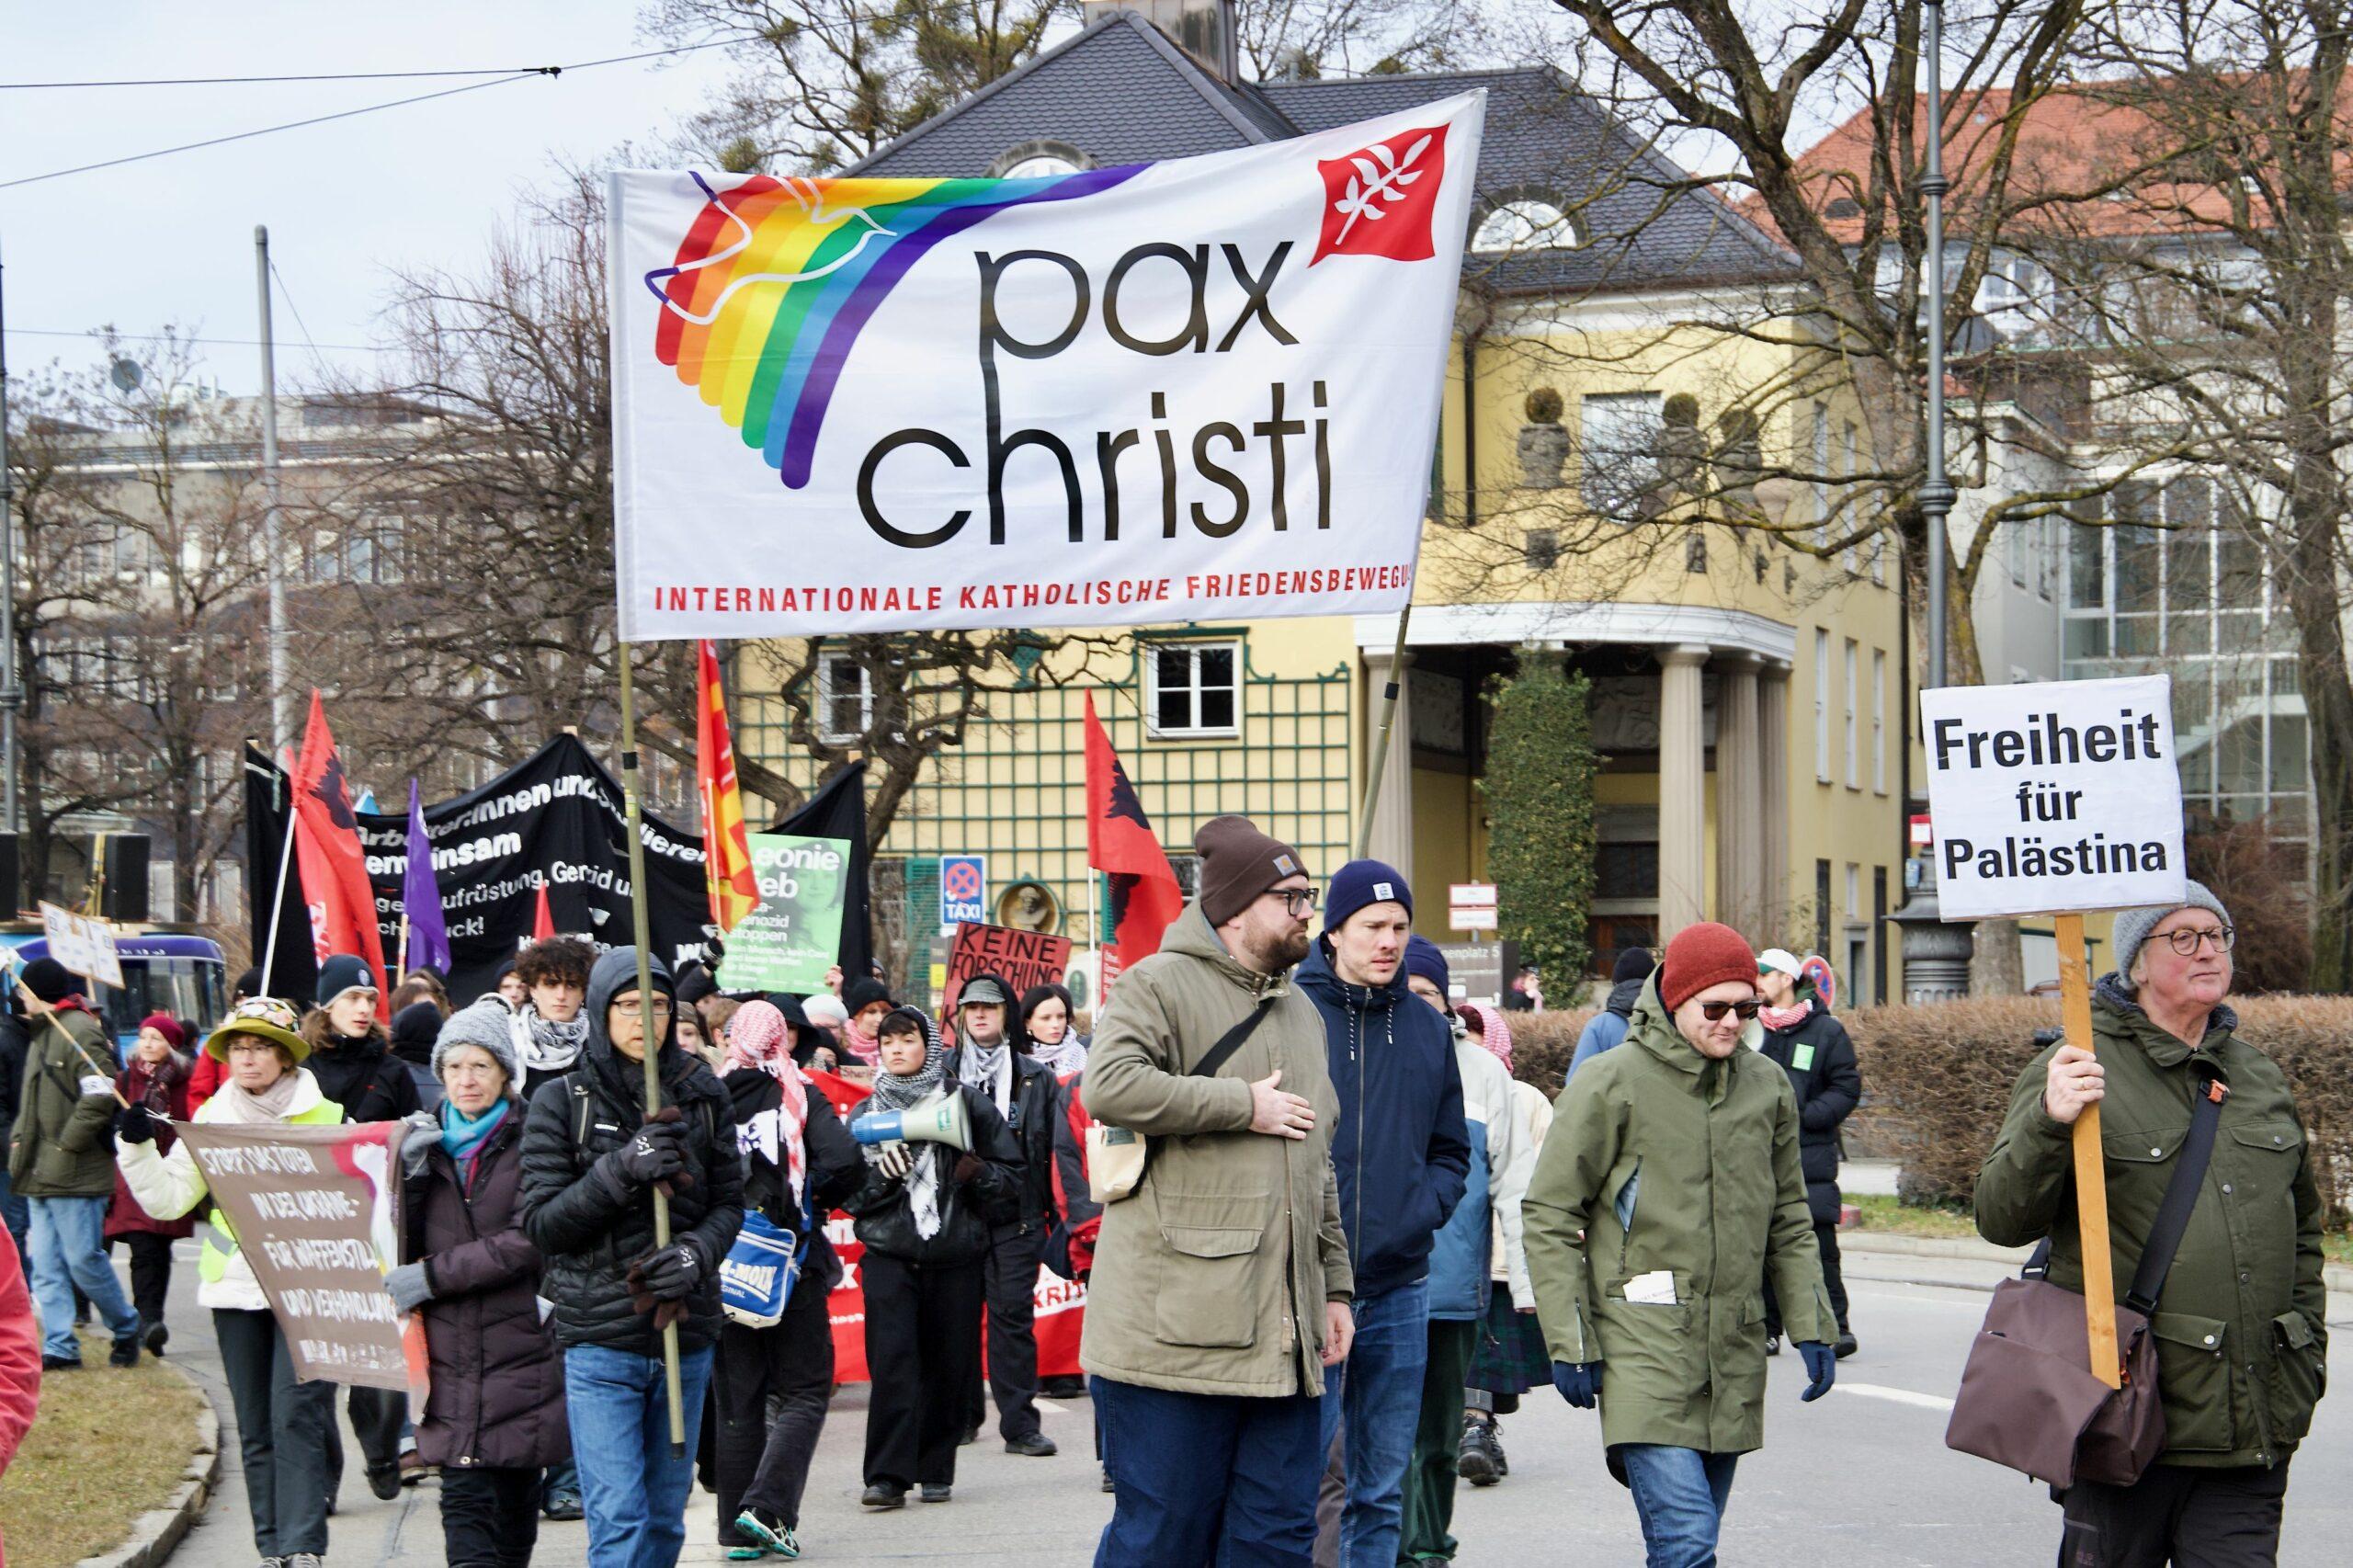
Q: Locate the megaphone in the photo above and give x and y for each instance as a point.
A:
(940, 1119)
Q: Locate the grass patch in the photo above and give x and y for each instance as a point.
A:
(1884, 1213)
(106, 1447)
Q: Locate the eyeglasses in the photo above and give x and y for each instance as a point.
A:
(2185, 942)
(1297, 901)
(1714, 1011)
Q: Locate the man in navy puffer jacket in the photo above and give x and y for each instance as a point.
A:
(1402, 1154)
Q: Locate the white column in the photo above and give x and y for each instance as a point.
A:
(1773, 797)
(1393, 810)
(1682, 792)
(1740, 815)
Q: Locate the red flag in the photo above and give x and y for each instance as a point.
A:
(335, 870)
(542, 921)
(1119, 841)
(726, 851)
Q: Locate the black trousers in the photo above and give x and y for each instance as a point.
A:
(770, 1390)
(1009, 1281)
(1826, 1238)
(282, 1428)
(923, 1339)
(376, 1416)
(151, 1273)
(2191, 1519)
(490, 1516)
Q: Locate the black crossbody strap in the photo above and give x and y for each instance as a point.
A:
(1218, 1055)
(2181, 1196)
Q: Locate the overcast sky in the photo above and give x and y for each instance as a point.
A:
(171, 239)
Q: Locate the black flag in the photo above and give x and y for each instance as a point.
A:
(269, 808)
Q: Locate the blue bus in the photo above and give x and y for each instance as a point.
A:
(164, 970)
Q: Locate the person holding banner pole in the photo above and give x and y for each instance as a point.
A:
(2240, 1317)
(598, 1168)
(282, 1425)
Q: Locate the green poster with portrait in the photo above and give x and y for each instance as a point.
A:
(793, 939)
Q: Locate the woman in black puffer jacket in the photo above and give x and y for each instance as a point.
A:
(1813, 1047)
(494, 1418)
(924, 1212)
(590, 1161)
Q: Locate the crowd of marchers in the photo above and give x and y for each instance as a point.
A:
(1329, 1240)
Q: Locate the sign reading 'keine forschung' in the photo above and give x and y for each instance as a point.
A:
(2056, 797)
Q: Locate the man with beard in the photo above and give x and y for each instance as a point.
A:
(1222, 1284)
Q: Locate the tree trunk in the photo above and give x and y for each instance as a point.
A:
(2312, 578)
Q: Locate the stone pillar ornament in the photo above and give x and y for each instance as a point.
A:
(1543, 444)
(1682, 791)
(1740, 803)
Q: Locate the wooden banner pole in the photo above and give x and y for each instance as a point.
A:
(2091, 1174)
(1378, 762)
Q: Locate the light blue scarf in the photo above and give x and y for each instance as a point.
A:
(461, 1135)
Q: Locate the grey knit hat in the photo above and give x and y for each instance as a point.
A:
(488, 1025)
(2134, 926)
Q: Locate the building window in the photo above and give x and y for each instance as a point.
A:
(1195, 689)
(1820, 705)
(1851, 454)
(1820, 454)
(1854, 752)
(1036, 160)
(1527, 224)
(844, 701)
(1618, 465)
(1879, 721)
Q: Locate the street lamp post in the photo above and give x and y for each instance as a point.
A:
(281, 722)
(12, 696)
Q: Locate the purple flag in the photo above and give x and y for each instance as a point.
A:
(428, 934)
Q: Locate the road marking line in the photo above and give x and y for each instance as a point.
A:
(1900, 1396)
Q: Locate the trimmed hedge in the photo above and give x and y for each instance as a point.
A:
(1940, 1077)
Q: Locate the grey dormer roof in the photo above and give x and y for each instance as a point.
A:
(1121, 92)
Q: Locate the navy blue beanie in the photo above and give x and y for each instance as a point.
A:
(1360, 882)
(1423, 957)
(341, 973)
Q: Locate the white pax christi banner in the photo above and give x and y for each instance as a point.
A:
(2053, 798)
(1196, 390)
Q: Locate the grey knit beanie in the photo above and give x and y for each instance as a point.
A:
(488, 1025)
(2134, 926)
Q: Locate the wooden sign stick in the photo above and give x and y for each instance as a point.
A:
(2091, 1173)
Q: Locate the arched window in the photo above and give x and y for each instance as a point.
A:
(1526, 223)
(1034, 160)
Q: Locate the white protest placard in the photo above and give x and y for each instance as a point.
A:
(2060, 796)
(1195, 389)
(83, 943)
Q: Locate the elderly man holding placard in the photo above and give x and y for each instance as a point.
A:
(2151, 1145)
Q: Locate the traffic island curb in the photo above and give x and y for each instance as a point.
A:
(156, 1533)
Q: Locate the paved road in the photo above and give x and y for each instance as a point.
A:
(1860, 1479)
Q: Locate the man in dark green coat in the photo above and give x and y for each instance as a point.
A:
(2240, 1326)
(61, 1157)
(1669, 1187)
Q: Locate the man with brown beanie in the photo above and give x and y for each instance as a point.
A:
(1669, 1185)
(1222, 1284)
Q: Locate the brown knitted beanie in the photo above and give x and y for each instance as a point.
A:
(1238, 863)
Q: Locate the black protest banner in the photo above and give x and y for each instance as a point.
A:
(556, 818)
(269, 807)
(1023, 959)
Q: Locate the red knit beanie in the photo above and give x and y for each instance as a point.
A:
(168, 1027)
(1703, 955)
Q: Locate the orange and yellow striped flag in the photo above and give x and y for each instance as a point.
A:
(726, 851)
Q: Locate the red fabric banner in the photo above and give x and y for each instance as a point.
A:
(327, 852)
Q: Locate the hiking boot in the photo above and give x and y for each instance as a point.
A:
(972, 1435)
(125, 1353)
(154, 1337)
(938, 1491)
(885, 1494)
(1064, 1387)
(1033, 1446)
(384, 1481)
(1479, 1458)
(562, 1506)
(1846, 1346)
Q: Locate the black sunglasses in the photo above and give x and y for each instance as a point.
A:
(1714, 1011)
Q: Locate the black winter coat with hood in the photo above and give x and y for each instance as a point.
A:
(588, 1221)
(361, 1076)
(968, 1210)
(1820, 1060)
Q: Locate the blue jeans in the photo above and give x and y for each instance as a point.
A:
(1680, 1494)
(632, 1487)
(1377, 1392)
(1199, 1477)
(69, 1248)
(15, 1216)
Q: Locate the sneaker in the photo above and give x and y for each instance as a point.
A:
(562, 1506)
(746, 1553)
(1474, 1459)
(384, 1481)
(938, 1491)
(305, 1559)
(271, 1563)
(155, 1336)
(1846, 1346)
(1035, 1445)
(885, 1494)
(125, 1353)
(776, 1538)
(61, 1363)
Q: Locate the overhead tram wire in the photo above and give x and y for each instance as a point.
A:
(525, 74)
(372, 75)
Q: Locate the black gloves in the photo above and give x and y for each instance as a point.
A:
(134, 1124)
(672, 1273)
(656, 1152)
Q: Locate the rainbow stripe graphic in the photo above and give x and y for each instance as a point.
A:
(776, 277)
